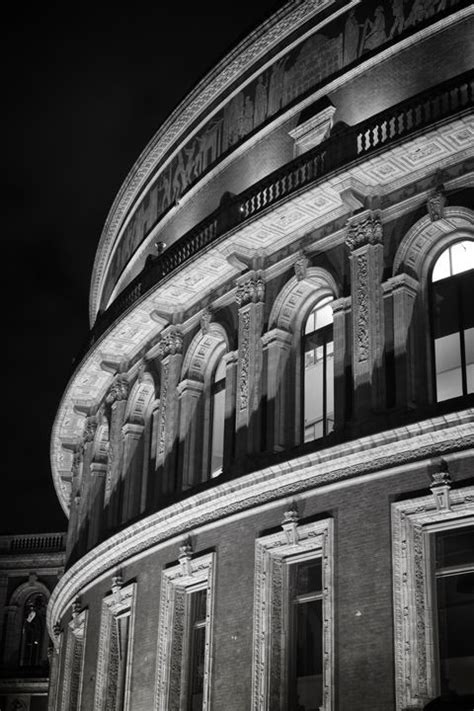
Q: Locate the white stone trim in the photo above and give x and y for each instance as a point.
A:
(414, 634)
(74, 661)
(120, 601)
(172, 668)
(439, 436)
(272, 554)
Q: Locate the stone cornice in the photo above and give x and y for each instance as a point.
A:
(440, 436)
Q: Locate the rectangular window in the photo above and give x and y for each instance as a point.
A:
(454, 574)
(185, 635)
(115, 650)
(294, 619)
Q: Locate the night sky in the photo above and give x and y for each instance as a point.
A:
(85, 89)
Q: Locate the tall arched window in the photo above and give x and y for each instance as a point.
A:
(217, 418)
(318, 373)
(32, 640)
(452, 284)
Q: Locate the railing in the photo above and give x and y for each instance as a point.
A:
(33, 543)
(352, 144)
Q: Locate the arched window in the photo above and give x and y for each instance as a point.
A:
(318, 372)
(452, 292)
(217, 418)
(32, 640)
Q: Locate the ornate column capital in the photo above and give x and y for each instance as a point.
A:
(250, 289)
(171, 343)
(366, 231)
(118, 391)
(89, 431)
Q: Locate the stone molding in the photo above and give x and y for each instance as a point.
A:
(438, 436)
(177, 582)
(120, 601)
(414, 622)
(362, 232)
(273, 555)
(74, 660)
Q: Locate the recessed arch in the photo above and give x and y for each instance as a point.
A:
(204, 350)
(296, 297)
(141, 394)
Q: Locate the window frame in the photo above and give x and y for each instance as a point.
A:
(216, 387)
(120, 602)
(431, 290)
(74, 660)
(174, 631)
(274, 554)
(414, 601)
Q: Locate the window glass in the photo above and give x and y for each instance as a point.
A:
(218, 419)
(318, 391)
(456, 259)
(197, 602)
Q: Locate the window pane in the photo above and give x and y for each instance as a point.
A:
(442, 268)
(323, 316)
(330, 388)
(308, 577)
(308, 677)
(456, 639)
(448, 367)
(462, 256)
(218, 421)
(123, 626)
(469, 347)
(455, 547)
(198, 601)
(313, 392)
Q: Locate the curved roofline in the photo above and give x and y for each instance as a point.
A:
(234, 64)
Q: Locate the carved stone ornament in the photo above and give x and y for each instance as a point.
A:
(252, 290)
(206, 319)
(90, 428)
(76, 607)
(117, 584)
(274, 554)
(185, 555)
(440, 487)
(301, 266)
(171, 343)
(436, 203)
(290, 524)
(118, 390)
(413, 523)
(368, 231)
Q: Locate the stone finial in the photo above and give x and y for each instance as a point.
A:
(436, 203)
(206, 319)
(252, 290)
(290, 524)
(117, 584)
(367, 231)
(185, 555)
(301, 266)
(171, 343)
(441, 486)
(118, 390)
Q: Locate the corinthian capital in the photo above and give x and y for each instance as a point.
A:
(367, 231)
(250, 290)
(118, 390)
(171, 343)
(90, 428)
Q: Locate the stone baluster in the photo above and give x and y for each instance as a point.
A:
(278, 390)
(364, 239)
(250, 300)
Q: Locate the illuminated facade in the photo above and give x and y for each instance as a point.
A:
(266, 450)
(30, 566)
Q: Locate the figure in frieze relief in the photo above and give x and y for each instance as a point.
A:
(398, 18)
(351, 37)
(373, 33)
(261, 101)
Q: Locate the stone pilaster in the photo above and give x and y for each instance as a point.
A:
(364, 240)
(400, 293)
(54, 668)
(132, 469)
(170, 353)
(98, 471)
(190, 432)
(76, 482)
(88, 435)
(250, 301)
(117, 399)
(279, 389)
(342, 363)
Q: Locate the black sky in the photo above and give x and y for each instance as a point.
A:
(86, 86)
